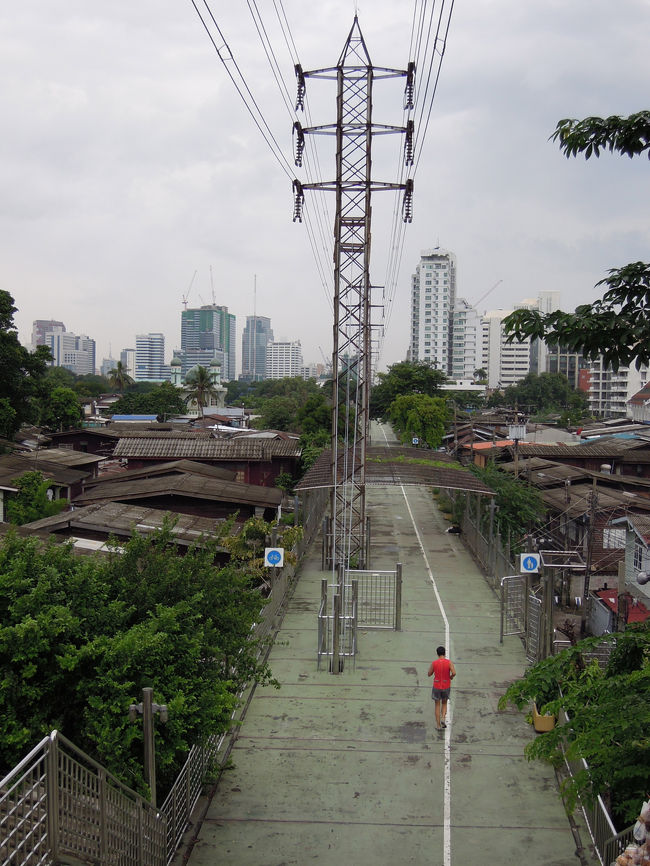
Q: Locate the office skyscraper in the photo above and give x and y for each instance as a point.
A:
(433, 295)
(208, 332)
(75, 353)
(150, 358)
(255, 338)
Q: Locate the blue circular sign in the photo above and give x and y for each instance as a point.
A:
(274, 556)
(530, 563)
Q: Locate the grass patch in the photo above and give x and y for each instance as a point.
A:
(418, 461)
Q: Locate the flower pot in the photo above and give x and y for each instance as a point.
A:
(544, 722)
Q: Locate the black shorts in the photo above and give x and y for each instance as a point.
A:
(440, 694)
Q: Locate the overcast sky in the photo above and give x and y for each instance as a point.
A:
(128, 161)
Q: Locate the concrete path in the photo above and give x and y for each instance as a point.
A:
(349, 769)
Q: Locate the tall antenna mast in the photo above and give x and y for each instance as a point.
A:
(351, 356)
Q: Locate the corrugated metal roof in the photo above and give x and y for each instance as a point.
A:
(15, 465)
(116, 518)
(395, 472)
(195, 448)
(173, 467)
(191, 485)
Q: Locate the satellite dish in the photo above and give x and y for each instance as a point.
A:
(642, 578)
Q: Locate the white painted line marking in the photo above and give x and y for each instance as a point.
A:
(447, 751)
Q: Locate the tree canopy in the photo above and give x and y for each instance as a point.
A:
(201, 387)
(81, 636)
(32, 502)
(544, 392)
(609, 718)
(419, 415)
(22, 372)
(617, 326)
(162, 400)
(405, 377)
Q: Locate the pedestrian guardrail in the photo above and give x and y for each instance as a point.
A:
(59, 804)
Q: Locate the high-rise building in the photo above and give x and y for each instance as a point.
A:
(609, 391)
(208, 332)
(41, 327)
(467, 341)
(150, 358)
(505, 363)
(127, 357)
(433, 296)
(75, 353)
(283, 359)
(255, 337)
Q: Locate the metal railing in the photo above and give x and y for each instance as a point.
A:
(379, 598)
(607, 842)
(59, 803)
(337, 625)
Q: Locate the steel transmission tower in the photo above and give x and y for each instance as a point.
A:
(351, 355)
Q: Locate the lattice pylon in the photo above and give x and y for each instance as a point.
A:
(351, 354)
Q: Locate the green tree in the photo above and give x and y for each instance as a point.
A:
(314, 415)
(609, 718)
(62, 409)
(119, 379)
(22, 371)
(7, 419)
(31, 502)
(81, 636)
(421, 416)
(161, 400)
(617, 326)
(277, 413)
(201, 387)
(538, 393)
(405, 377)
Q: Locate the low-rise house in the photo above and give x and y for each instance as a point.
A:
(66, 483)
(255, 461)
(188, 492)
(91, 527)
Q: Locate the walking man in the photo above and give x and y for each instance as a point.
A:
(443, 671)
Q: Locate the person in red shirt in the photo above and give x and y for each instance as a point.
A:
(443, 671)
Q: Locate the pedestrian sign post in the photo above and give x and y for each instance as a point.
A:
(529, 563)
(273, 557)
(415, 440)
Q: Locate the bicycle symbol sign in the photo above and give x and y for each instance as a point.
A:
(273, 556)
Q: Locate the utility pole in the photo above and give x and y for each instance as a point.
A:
(351, 355)
(591, 526)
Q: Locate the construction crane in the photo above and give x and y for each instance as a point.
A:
(491, 289)
(189, 289)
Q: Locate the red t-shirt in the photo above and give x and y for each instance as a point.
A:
(441, 673)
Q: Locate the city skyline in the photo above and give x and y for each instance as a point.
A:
(122, 177)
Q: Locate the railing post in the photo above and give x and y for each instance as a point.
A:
(398, 597)
(336, 611)
(367, 562)
(323, 555)
(52, 782)
(103, 817)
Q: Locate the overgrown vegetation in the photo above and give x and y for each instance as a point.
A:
(81, 636)
(609, 718)
(31, 502)
(543, 393)
(519, 506)
(402, 379)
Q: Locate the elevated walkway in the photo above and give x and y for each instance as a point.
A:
(349, 768)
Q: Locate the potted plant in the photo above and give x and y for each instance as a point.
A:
(539, 686)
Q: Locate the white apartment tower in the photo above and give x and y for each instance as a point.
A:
(283, 359)
(433, 296)
(505, 363)
(467, 341)
(150, 358)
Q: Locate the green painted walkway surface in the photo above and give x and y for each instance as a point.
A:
(349, 769)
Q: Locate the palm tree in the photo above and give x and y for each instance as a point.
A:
(119, 378)
(201, 387)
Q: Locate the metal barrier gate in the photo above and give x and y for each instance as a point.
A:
(380, 598)
(337, 624)
(521, 613)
